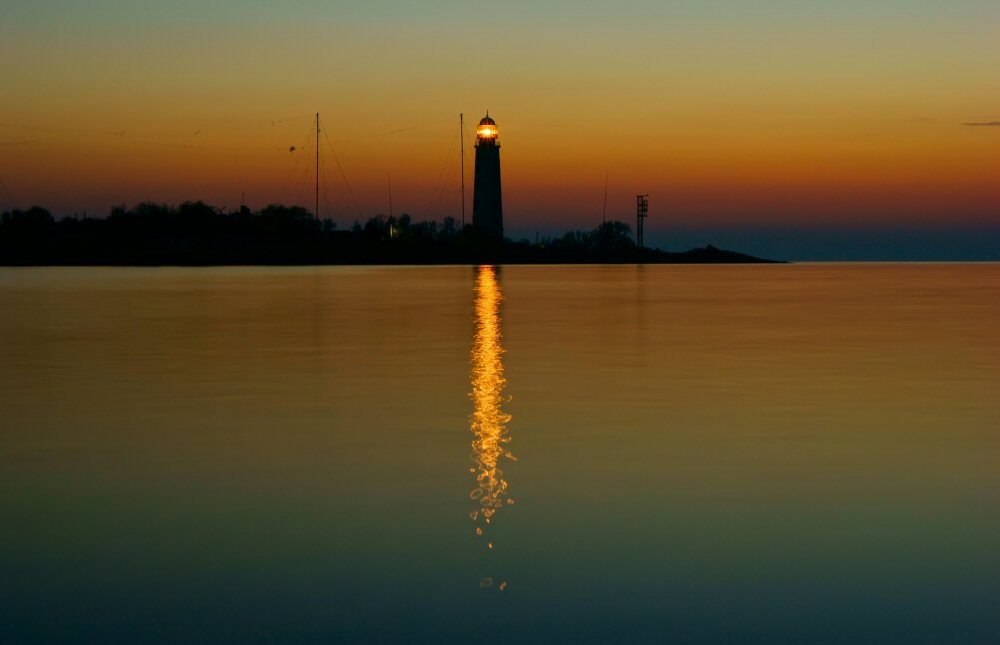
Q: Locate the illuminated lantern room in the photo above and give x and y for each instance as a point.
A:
(487, 131)
(487, 200)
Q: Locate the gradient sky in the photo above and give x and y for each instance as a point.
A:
(768, 115)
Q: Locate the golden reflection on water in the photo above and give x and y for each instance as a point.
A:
(488, 422)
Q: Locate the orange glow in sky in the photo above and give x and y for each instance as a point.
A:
(801, 114)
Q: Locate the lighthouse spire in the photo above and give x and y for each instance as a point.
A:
(487, 196)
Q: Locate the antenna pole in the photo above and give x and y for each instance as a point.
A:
(317, 167)
(461, 144)
(641, 213)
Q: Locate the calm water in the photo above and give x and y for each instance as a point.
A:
(770, 454)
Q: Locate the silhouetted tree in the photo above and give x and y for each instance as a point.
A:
(280, 219)
(449, 228)
(34, 220)
(613, 235)
(194, 232)
(376, 229)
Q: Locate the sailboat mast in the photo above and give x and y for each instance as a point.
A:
(317, 167)
(461, 144)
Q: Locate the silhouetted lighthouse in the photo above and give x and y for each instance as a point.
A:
(487, 203)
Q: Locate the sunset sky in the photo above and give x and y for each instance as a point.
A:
(775, 115)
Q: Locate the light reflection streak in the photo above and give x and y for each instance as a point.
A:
(488, 422)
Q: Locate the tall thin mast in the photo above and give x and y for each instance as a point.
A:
(461, 144)
(317, 166)
(388, 179)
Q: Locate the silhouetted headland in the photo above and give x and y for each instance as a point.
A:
(196, 234)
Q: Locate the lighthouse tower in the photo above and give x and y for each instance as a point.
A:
(487, 203)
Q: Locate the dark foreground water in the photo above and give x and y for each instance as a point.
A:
(751, 454)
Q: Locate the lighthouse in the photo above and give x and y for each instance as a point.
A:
(487, 203)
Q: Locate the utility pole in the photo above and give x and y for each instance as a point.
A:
(317, 167)
(461, 144)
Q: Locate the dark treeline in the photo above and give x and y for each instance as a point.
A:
(195, 233)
